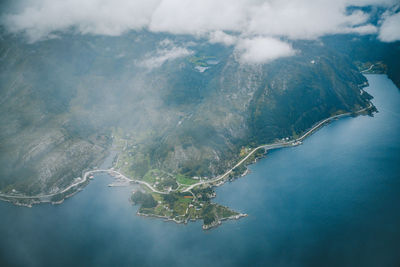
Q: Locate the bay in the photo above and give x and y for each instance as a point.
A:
(333, 201)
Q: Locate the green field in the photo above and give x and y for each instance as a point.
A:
(182, 179)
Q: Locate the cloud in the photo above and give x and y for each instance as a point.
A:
(261, 50)
(199, 17)
(38, 19)
(390, 28)
(295, 19)
(222, 37)
(167, 52)
(222, 21)
(307, 19)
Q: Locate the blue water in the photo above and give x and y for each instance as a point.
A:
(333, 201)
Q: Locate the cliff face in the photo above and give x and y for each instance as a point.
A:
(65, 101)
(367, 50)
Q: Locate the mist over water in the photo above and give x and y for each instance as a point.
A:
(333, 201)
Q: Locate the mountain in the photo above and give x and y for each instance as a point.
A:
(171, 104)
(368, 50)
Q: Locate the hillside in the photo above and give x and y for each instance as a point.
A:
(67, 102)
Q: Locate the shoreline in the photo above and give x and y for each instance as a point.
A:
(204, 227)
(19, 200)
(298, 141)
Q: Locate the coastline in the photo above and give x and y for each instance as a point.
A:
(220, 220)
(205, 226)
(224, 177)
(69, 191)
(276, 195)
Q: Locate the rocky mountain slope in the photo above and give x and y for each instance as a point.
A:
(168, 103)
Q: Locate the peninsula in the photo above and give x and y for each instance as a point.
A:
(180, 125)
(187, 199)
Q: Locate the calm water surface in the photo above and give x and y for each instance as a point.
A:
(334, 201)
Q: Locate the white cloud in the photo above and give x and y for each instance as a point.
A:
(38, 19)
(242, 19)
(199, 17)
(295, 19)
(364, 29)
(167, 52)
(305, 19)
(223, 38)
(262, 50)
(390, 28)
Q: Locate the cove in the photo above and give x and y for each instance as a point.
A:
(333, 201)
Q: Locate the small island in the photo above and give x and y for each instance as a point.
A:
(184, 207)
(178, 198)
(175, 196)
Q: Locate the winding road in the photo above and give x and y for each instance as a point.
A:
(266, 147)
(368, 68)
(275, 146)
(81, 181)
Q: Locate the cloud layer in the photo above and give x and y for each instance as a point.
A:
(248, 24)
(262, 50)
(167, 51)
(390, 28)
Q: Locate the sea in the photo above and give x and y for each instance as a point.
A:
(333, 201)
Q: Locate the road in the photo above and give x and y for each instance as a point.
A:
(275, 146)
(138, 182)
(368, 69)
(81, 181)
(60, 192)
(266, 147)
